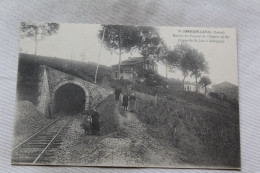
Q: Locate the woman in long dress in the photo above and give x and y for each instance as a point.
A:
(95, 122)
(125, 102)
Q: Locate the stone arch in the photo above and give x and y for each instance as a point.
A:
(78, 83)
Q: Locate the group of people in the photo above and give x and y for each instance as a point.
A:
(90, 122)
(90, 118)
(129, 99)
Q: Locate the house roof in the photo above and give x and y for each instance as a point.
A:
(192, 83)
(225, 84)
(132, 61)
(189, 82)
(227, 88)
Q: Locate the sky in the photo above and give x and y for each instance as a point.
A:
(80, 42)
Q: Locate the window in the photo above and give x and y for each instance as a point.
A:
(127, 69)
(116, 74)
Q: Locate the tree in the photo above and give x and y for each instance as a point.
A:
(188, 60)
(205, 81)
(198, 65)
(150, 43)
(38, 31)
(180, 57)
(119, 39)
(152, 48)
(144, 39)
(163, 56)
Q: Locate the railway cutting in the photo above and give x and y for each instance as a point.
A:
(41, 147)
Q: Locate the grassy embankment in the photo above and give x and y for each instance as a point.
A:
(108, 123)
(204, 135)
(28, 68)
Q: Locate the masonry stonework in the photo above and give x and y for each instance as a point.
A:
(52, 80)
(44, 98)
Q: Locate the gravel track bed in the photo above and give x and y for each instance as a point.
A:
(28, 121)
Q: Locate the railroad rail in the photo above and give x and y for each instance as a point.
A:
(41, 147)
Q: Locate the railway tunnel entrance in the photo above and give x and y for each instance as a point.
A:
(69, 98)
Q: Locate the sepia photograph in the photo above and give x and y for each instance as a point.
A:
(105, 95)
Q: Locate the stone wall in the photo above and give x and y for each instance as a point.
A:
(98, 94)
(44, 98)
(52, 80)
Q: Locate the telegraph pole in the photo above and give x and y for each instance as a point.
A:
(166, 70)
(99, 54)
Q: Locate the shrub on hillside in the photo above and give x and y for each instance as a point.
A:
(201, 136)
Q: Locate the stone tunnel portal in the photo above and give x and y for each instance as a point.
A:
(69, 98)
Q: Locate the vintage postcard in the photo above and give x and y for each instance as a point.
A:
(127, 96)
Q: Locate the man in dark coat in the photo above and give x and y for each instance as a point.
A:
(95, 121)
(117, 93)
(125, 102)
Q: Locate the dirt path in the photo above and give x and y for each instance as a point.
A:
(146, 150)
(129, 146)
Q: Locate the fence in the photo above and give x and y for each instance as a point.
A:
(147, 97)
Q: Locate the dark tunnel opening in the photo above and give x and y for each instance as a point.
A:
(69, 98)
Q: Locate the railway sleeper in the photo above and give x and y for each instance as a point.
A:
(52, 149)
(29, 152)
(38, 142)
(23, 159)
(28, 155)
(44, 161)
(47, 155)
(36, 145)
(43, 137)
(57, 141)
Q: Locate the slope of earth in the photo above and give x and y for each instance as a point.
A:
(205, 136)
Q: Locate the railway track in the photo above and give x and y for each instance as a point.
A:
(41, 147)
